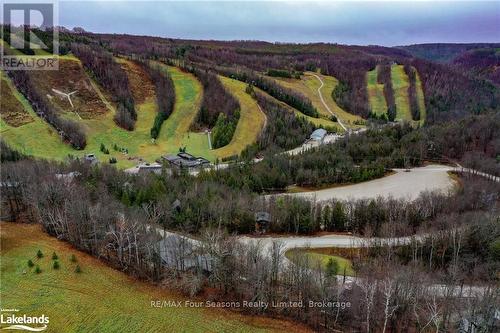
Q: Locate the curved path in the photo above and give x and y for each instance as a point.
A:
(324, 103)
(401, 184)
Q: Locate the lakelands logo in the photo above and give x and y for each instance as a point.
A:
(14, 321)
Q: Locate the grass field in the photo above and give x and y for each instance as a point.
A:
(315, 260)
(400, 84)
(376, 96)
(35, 138)
(100, 299)
(11, 109)
(251, 121)
(94, 110)
(329, 83)
(175, 131)
(308, 86)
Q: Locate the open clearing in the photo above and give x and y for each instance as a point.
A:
(376, 96)
(401, 184)
(308, 86)
(315, 260)
(251, 121)
(94, 105)
(35, 138)
(400, 84)
(68, 78)
(329, 83)
(100, 299)
(11, 109)
(140, 82)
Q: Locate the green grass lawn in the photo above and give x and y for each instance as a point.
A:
(251, 120)
(308, 86)
(329, 83)
(400, 84)
(376, 96)
(319, 260)
(100, 299)
(36, 138)
(175, 131)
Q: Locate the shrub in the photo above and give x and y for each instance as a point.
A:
(332, 267)
(78, 269)
(104, 149)
(37, 269)
(39, 254)
(54, 256)
(73, 258)
(30, 263)
(224, 128)
(279, 73)
(55, 265)
(112, 160)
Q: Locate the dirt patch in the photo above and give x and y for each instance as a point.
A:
(140, 82)
(11, 109)
(70, 77)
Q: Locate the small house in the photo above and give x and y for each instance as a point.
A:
(262, 222)
(149, 168)
(185, 160)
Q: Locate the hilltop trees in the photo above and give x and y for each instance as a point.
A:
(450, 94)
(350, 94)
(412, 91)
(112, 77)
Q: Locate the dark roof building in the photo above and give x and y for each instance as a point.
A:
(185, 160)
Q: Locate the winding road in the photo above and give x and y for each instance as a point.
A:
(325, 105)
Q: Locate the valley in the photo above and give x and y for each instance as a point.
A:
(148, 169)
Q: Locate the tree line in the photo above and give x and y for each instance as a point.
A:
(112, 77)
(69, 130)
(165, 95)
(448, 92)
(451, 94)
(350, 94)
(412, 91)
(384, 77)
(123, 232)
(284, 130)
(273, 88)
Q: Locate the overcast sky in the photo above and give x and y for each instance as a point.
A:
(355, 22)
